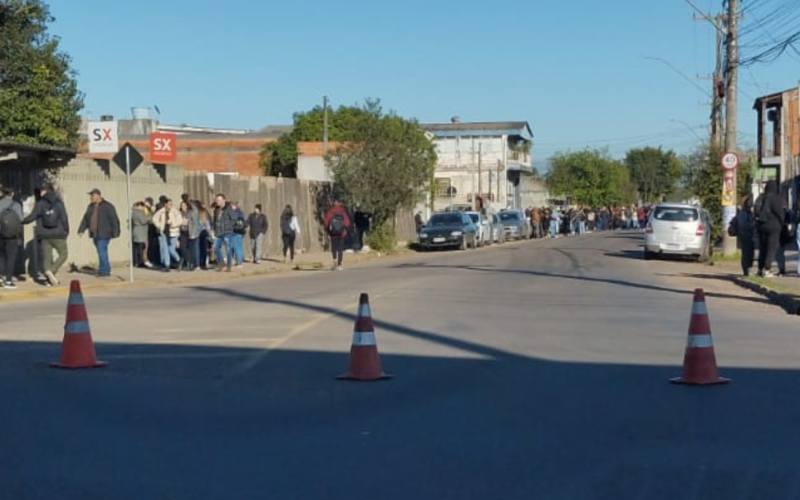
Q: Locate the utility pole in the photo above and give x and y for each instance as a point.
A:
(731, 111)
(717, 79)
(325, 125)
(480, 173)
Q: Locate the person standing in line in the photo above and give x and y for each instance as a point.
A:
(259, 225)
(140, 227)
(168, 220)
(51, 231)
(239, 230)
(223, 221)
(337, 222)
(102, 222)
(204, 227)
(362, 223)
(10, 230)
(289, 231)
(770, 216)
(743, 227)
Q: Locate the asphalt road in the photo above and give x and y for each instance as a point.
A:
(535, 370)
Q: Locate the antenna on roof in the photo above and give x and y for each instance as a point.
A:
(157, 110)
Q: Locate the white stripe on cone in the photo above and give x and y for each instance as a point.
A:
(363, 338)
(364, 312)
(699, 341)
(699, 308)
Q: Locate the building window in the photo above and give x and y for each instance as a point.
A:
(444, 188)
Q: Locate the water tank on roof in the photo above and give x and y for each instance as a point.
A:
(106, 118)
(141, 113)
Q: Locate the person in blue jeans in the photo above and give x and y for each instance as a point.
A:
(102, 222)
(239, 230)
(222, 223)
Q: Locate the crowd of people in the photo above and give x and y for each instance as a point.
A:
(185, 236)
(554, 222)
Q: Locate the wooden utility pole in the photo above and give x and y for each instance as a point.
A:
(480, 172)
(731, 104)
(325, 125)
(716, 131)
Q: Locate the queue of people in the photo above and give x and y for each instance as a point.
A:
(547, 222)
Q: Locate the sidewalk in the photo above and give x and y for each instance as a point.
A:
(781, 290)
(142, 278)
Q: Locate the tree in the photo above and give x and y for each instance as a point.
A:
(702, 178)
(386, 165)
(654, 172)
(39, 97)
(280, 157)
(591, 178)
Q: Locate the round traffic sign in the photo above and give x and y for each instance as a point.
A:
(730, 161)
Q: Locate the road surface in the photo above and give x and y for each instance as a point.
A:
(534, 370)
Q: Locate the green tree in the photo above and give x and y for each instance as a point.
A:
(591, 178)
(702, 179)
(280, 157)
(654, 172)
(39, 97)
(386, 165)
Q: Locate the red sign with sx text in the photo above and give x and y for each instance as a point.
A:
(163, 148)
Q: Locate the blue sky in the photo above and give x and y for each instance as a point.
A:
(574, 69)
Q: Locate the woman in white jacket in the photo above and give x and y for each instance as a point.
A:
(168, 224)
(289, 231)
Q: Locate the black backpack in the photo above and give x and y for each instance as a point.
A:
(10, 223)
(336, 227)
(50, 217)
(286, 225)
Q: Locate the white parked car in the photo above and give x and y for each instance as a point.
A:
(675, 229)
(484, 229)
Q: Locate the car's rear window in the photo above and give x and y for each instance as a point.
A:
(474, 218)
(451, 219)
(676, 214)
(509, 216)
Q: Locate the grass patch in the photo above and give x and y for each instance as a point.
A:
(772, 285)
(719, 257)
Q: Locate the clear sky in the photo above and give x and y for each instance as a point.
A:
(575, 70)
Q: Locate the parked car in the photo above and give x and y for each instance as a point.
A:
(515, 224)
(449, 229)
(675, 229)
(496, 229)
(484, 229)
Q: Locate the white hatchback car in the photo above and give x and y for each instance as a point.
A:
(675, 229)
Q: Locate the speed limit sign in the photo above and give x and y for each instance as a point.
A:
(730, 161)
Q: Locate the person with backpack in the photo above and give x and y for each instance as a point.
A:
(289, 231)
(51, 230)
(337, 222)
(259, 225)
(102, 222)
(770, 214)
(10, 231)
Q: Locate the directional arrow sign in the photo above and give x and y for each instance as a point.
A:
(133, 155)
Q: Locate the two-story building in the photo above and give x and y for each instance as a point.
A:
(488, 161)
(779, 142)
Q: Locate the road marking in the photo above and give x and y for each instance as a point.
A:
(178, 355)
(214, 341)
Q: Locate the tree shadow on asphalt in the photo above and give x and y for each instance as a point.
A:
(610, 281)
(287, 418)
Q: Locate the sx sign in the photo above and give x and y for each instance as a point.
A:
(163, 148)
(103, 137)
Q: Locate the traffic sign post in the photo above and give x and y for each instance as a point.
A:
(129, 159)
(729, 163)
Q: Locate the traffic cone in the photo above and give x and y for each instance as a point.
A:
(77, 349)
(699, 362)
(365, 363)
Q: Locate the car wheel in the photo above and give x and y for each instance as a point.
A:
(648, 255)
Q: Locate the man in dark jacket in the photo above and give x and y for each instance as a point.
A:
(103, 224)
(10, 231)
(337, 222)
(258, 224)
(224, 219)
(52, 229)
(362, 222)
(770, 213)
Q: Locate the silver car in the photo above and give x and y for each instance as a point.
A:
(675, 229)
(515, 224)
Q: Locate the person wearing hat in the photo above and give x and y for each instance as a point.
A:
(102, 222)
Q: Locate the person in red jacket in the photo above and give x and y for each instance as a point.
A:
(337, 222)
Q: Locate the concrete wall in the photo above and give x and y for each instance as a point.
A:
(312, 168)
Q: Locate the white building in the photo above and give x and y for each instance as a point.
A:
(487, 160)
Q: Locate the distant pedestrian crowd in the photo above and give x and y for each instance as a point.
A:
(547, 222)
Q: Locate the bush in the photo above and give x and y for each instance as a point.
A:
(382, 238)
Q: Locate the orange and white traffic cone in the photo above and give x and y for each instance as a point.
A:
(699, 362)
(77, 349)
(365, 363)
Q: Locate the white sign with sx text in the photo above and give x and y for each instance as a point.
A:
(103, 137)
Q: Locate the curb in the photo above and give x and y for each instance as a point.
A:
(790, 303)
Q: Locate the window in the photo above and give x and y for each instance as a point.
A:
(675, 214)
(444, 188)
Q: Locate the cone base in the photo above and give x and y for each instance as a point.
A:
(683, 381)
(349, 376)
(97, 364)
